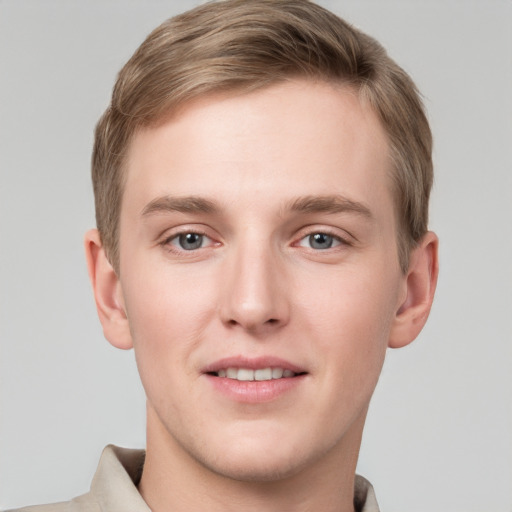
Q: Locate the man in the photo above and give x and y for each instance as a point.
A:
(261, 181)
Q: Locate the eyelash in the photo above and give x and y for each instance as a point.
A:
(337, 239)
(168, 245)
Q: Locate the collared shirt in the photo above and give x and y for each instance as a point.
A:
(114, 487)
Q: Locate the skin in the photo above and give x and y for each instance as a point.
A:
(266, 170)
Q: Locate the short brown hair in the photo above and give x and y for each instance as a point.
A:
(247, 45)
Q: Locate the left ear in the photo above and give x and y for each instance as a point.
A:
(419, 287)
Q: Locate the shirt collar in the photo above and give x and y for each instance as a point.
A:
(364, 496)
(114, 486)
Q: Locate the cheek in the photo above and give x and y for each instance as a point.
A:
(351, 321)
(350, 303)
(167, 316)
(166, 301)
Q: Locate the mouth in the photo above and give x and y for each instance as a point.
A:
(254, 380)
(258, 374)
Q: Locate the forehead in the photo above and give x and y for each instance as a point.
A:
(291, 139)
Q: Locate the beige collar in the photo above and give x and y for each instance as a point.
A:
(114, 486)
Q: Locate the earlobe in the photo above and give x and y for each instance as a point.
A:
(420, 284)
(107, 293)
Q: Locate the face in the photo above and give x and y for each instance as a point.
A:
(259, 275)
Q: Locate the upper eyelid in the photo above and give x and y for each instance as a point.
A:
(168, 243)
(332, 235)
(176, 234)
(340, 234)
(170, 233)
(340, 241)
(168, 240)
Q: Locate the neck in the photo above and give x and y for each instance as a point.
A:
(173, 480)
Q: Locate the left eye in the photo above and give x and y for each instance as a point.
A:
(189, 241)
(320, 241)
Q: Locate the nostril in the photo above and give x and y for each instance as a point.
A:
(271, 321)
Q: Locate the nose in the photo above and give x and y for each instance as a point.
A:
(255, 295)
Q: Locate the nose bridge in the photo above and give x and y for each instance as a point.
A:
(253, 295)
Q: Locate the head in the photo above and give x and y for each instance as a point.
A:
(237, 46)
(261, 181)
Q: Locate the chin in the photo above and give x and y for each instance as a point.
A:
(256, 469)
(254, 460)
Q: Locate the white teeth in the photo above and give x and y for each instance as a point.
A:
(277, 373)
(232, 373)
(247, 374)
(263, 374)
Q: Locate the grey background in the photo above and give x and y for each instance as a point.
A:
(438, 436)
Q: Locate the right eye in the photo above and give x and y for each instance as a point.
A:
(189, 241)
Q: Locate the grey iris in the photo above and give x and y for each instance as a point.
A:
(320, 241)
(190, 241)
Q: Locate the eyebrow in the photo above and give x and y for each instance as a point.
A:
(188, 204)
(329, 204)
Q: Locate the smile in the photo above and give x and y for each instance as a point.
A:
(254, 380)
(249, 374)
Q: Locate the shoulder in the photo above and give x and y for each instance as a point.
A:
(84, 503)
(114, 486)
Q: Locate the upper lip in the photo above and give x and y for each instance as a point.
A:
(253, 363)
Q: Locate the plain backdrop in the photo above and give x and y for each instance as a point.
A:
(438, 436)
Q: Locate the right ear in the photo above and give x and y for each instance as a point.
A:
(107, 293)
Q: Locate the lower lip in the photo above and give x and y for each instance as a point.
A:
(254, 391)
